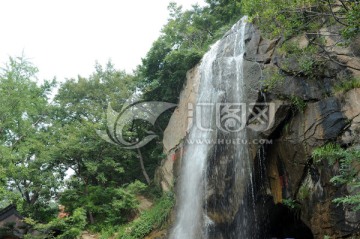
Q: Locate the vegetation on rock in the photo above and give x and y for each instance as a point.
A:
(50, 152)
(347, 161)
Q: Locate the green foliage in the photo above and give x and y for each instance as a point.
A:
(166, 83)
(74, 224)
(225, 11)
(304, 192)
(71, 227)
(184, 39)
(352, 200)
(272, 78)
(307, 65)
(149, 220)
(330, 152)
(352, 17)
(104, 181)
(290, 203)
(300, 61)
(289, 18)
(109, 205)
(26, 160)
(108, 232)
(348, 173)
(298, 103)
(280, 17)
(40, 142)
(347, 85)
(290, 47)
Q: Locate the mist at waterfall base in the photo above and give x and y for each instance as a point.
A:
(198, 197)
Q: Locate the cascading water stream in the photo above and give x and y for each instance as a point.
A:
(190, 212)
(220, 90)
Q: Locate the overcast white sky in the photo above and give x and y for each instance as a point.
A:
(64, 38)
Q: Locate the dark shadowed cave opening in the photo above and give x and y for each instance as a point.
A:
(283, 222)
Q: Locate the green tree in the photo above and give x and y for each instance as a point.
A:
(25, 139)
(183, 41)
(100, 169)
(225, 11)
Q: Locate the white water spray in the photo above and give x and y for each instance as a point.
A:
(192, 220)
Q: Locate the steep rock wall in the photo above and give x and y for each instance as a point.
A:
(176, 132)
(307, 114)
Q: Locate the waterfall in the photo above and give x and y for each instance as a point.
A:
(219, 116)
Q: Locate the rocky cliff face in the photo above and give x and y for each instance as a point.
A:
(306, 113)
(176, 132)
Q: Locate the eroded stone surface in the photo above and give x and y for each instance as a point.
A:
(290, 171)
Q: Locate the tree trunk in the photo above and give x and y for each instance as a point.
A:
(143, 167)
(91, 218)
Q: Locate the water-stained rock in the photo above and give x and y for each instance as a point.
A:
(306, 114)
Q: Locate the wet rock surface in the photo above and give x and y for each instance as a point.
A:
(307, 113)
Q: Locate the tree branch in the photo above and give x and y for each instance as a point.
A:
(334, 16)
